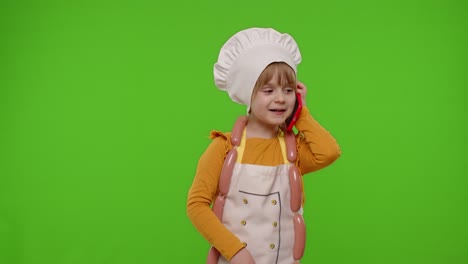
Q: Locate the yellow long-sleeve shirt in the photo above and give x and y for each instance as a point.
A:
(317, 148)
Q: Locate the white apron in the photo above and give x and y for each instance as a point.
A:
(257, 209)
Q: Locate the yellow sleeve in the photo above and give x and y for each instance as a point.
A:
(317, 148)
(202, 194)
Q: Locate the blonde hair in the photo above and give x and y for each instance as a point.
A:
(284, 73)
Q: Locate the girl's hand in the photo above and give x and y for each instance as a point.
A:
(242, 257)
(302, 89)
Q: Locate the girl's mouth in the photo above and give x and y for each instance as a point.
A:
(277, 111)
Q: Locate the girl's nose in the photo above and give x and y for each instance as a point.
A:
(279, 97)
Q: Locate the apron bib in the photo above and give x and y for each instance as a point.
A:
(261, 205)
(257, 209)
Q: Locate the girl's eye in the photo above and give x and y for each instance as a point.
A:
(289, 90)
(267, 91)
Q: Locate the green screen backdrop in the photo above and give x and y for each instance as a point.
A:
(106, 106)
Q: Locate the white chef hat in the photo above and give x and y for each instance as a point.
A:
(246, 54)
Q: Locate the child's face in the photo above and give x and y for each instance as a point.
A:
(272, 103)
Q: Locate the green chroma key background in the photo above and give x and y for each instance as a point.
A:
(106, 106)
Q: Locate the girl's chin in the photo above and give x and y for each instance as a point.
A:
(277, 122)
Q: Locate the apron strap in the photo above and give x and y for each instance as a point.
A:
(241, 147)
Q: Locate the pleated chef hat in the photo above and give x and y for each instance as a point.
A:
(246, 54)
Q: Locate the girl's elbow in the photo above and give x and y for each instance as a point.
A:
(330, 156)
(321, 160)
(336, 153)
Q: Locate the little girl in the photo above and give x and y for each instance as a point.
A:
(247, 195)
